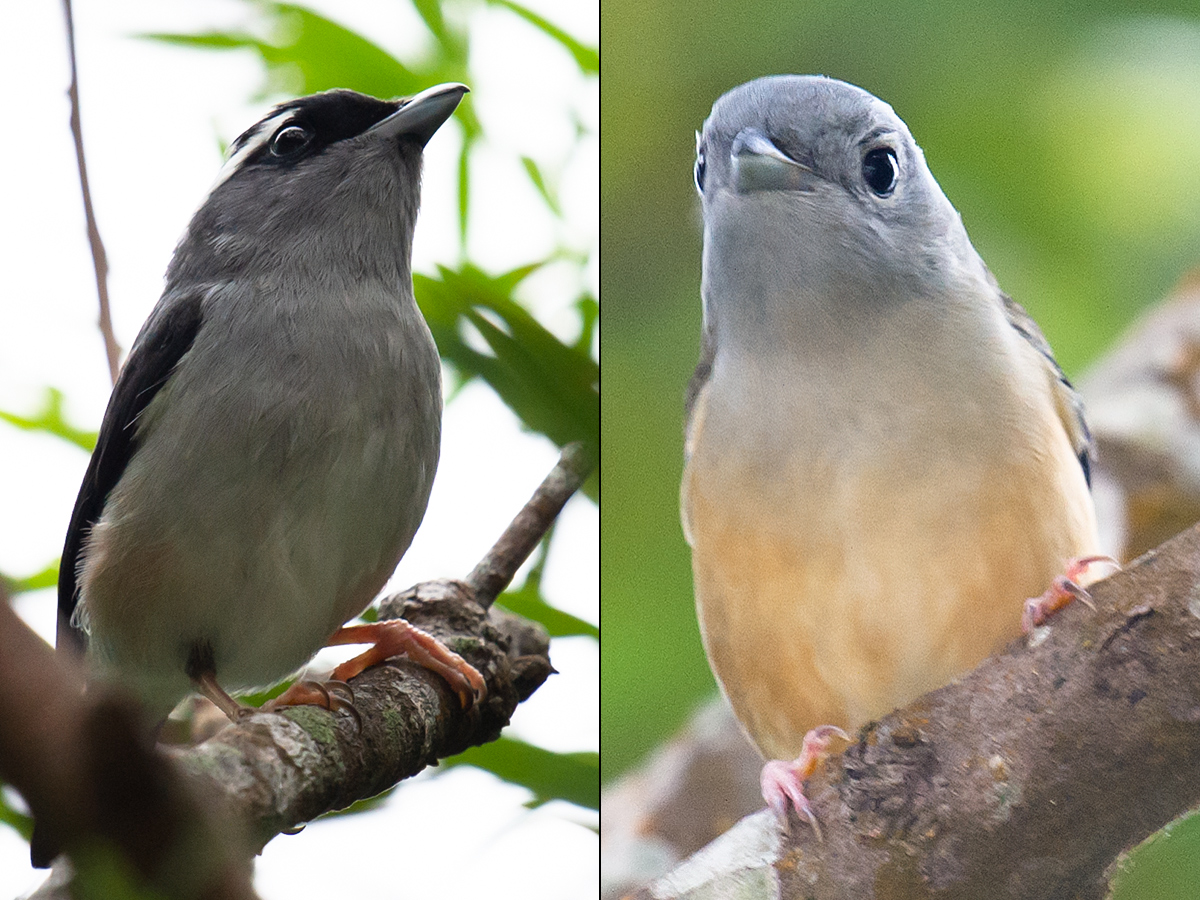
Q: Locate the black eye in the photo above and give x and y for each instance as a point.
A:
(879, 170)
(700, 170)
(290, 140)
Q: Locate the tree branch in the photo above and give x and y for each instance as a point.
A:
(99, 259)
(1032, 773)
(273, 771)
(496, 570)
(85, 766)
(409, 717)
(277, 770)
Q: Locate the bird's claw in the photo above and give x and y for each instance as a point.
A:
(1063, 589)
(335, 696)
(782, 782)
(397, 637)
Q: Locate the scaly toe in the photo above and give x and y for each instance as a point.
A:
(341, 689)
(302, 693)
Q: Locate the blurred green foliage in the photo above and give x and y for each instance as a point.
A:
(551, 384)
(11, 816)
(1165, 867)
(1067, 135)
(527, 601)
(574, 777)
(50, 419)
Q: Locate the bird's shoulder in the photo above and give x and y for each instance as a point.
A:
(696, 386)
(1067, 400)
(693, 406)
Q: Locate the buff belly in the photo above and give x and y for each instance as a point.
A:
(831, 591)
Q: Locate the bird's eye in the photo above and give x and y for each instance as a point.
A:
(700, 169)
(880, 169)
(290, 140)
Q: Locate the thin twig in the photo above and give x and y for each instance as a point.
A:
(498, 567)
(99, 259)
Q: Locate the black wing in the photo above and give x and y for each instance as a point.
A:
(167, 335)
(1067, 399)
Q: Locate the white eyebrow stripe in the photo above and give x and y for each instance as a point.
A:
(259, 135)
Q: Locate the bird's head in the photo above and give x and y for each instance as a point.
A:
(328, 179)
(814, 191)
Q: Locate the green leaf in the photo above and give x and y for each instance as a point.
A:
(50, 419)
(528, 602)
(331, 56)
(553, 387)
(208, 40)
(310, 53)
(258, 698)
(430, 12)
(574, 777)
(102, 872)
(539, 182)
(589, 314)
(14, 819)
(464, 191)
(46, 578)
(587, 58)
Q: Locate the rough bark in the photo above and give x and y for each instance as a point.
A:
(86, 766)
(1025, 778)
(277, 770)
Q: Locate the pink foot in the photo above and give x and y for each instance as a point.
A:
(396, 636)
(1062, 591)
(783, 782)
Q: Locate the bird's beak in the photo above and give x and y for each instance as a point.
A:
(422, 115)
(758, 165)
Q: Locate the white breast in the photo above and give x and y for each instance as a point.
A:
(279, 478)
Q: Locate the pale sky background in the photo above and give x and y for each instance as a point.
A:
(151, 117)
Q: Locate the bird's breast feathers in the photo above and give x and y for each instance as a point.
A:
(846, 562)
(307, 496)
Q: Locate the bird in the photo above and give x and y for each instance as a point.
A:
(883, 461)
(270, 443)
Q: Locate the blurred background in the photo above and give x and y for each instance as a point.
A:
(1067, 135)
(507, 273)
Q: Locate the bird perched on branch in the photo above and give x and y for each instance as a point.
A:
(883, 460)
(270, 444)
